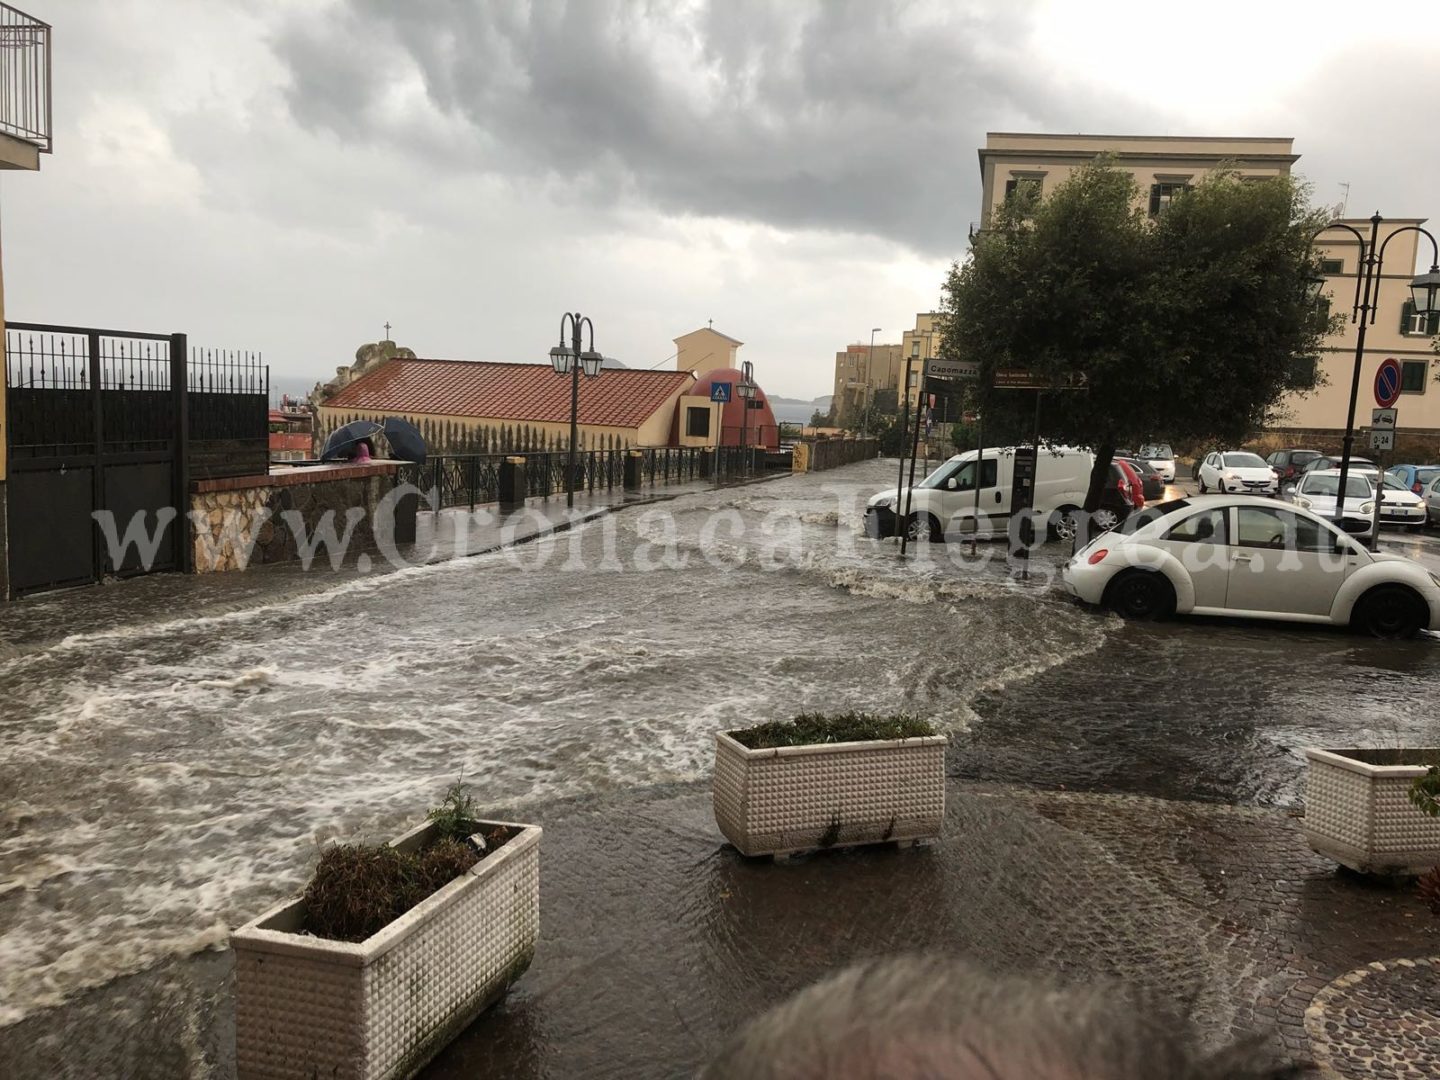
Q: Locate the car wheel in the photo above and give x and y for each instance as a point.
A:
(1064, 524)
(1141, 594)
(1390, 611)
(923, 527)
(1205, 490)
(1104, 520)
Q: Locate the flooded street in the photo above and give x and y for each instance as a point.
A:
(172, 765)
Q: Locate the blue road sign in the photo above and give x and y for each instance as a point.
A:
(720, 392)
(1387, 383)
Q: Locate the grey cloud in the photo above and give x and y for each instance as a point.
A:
(856, 115)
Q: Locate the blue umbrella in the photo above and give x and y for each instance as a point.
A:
(406, 442)
(341, 443)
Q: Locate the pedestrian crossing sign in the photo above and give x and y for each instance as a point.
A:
(720, 392)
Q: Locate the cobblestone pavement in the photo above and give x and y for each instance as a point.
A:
(1379, 1020)
(657, 939)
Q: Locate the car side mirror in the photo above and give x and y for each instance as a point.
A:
(951, 483)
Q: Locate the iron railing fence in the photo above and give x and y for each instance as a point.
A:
(474, 479)
(25, 77)
(72, 389)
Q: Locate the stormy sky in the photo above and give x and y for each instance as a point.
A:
(287, 175)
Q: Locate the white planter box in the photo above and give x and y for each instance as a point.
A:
(796, 798)
(383, 1007)
(1358, 810)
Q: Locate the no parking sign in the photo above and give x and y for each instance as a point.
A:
(1387, 383)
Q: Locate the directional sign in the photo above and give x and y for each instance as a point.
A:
(1387, 383)
(1382, 440)
(1020, 379)
(1383, 418)
(720, 392)
(952, 369)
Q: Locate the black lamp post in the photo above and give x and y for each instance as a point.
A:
(568, 360)
(1362, 313)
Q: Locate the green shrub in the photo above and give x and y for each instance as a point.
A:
(455, 816)
(809, 728)
(1425, 792)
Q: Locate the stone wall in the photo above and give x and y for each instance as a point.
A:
(814, 455)
(290, 515)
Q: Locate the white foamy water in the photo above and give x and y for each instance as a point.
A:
(165, 781)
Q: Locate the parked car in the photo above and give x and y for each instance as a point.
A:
(1226, 471)
(1152, 484)
(1432, 502)
(1328, 461)
(1316, 492)
(1401, 506)
(1288, 464)
(1232, 555)
(1415, 477)
(1161, 459)
(945, 503)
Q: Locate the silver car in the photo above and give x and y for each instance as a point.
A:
(1432, 503)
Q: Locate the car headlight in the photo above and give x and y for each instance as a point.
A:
(1302, 502)
(883, 503)
(1367, 507)
(1230, 476)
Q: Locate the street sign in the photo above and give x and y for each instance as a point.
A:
(1382, 440)
(1383, 418)
(1020, 379)
(1387, 383)
(952, 369)
(720, 392)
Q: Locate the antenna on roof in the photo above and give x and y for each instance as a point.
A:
(1345, 202)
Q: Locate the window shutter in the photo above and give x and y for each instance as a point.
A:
(1407, 316)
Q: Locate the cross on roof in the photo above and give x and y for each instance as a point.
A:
(387, 329)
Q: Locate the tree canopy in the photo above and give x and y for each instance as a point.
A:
(1188, 327)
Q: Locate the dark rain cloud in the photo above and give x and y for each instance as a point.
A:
(846, 115)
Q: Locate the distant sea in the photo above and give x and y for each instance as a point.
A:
(794, 414)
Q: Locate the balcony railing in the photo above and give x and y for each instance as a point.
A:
(24, 77)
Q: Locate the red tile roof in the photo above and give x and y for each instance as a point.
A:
(615, 398)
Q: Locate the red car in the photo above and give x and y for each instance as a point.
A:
(1132, 487)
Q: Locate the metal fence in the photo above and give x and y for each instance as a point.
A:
(229, 406)
(474, 479)
(25, 77)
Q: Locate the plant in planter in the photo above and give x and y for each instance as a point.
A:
(1375, 810)
(829, 781)
(391, 951)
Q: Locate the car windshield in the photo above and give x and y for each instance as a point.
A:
(1424, 476)
(937, 477)
(1144, 517)
(1157, 452)
(1243, 461)
(1391, 484)
(1356, 487)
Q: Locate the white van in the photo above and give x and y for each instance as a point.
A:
(945, 503)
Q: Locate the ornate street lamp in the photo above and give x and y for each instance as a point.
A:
(1362, 314)
(563, 359)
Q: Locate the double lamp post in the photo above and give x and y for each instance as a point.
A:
(568, 360)
(1423, 289)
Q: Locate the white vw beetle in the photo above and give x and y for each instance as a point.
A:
(1228, 555)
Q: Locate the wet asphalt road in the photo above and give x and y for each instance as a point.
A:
(174, 750)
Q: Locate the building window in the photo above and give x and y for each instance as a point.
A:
(1332, 267)
(697, 422)
(1412, 376)
(1162, 195)
(754, 403)
(1415, 324)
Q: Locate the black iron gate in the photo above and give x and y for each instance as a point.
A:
(96, 424)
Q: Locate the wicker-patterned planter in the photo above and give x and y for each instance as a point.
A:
(381, 1008)
(1358, 810)
(797, 798)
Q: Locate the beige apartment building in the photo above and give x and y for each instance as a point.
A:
(921, 343)
(1396, 332)
(860, 373)
(1163, 165)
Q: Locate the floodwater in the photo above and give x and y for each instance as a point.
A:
(171, 766)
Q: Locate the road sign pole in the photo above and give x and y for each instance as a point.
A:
(904, 416)
(914, 450)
